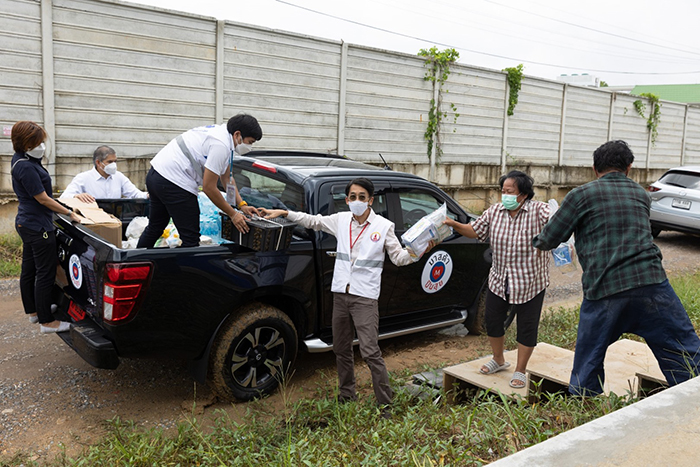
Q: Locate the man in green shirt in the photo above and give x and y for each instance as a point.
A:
(625, 288)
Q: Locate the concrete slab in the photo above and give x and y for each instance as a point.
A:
(659, 430)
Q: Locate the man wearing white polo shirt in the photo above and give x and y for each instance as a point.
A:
(201, 156)
(102, 181)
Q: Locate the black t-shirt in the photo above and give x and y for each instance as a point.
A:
(30, 178)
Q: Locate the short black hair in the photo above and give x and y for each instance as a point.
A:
(523, 181)
(246, 124)
(363, 182)
(613, 155)
(101, 153)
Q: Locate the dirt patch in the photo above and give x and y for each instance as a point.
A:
(50, 397)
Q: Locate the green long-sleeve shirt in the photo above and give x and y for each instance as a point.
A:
(610, 220)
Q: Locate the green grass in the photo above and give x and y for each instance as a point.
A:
(320, 432)
(10, 255)
(317, 431)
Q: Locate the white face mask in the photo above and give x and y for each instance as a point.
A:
(110, 169)
(37, 152)
(358, 207)
(243, 149)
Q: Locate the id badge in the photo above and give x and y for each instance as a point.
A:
(231, 193)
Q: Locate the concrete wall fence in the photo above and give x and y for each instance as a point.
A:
(108, 72)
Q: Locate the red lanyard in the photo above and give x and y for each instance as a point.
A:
(352, 244)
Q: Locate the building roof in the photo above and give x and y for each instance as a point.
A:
(686, 93)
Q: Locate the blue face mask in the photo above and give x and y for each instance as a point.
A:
(510, 202)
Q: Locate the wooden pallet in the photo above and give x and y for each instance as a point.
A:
(549, 371)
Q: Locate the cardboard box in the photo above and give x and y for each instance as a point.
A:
(91, 216)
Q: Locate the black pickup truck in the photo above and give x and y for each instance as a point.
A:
(241, 316)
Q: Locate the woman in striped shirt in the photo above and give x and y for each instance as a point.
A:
(519, 273)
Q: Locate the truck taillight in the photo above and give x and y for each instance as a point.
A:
(123, 288)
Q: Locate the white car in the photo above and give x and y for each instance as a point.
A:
(675, 201)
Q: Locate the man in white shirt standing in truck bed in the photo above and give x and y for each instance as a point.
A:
(363, 237)
(199, 157)
(103, 180)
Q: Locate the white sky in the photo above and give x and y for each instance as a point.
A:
(623, 42)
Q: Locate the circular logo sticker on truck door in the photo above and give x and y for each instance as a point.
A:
(75, 271)
(436, 272)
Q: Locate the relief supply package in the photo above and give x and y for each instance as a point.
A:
(430, 227)
(264, 234)
(94, 218)
(565, 254)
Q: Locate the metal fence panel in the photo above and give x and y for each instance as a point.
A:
(533, 129)
(129, 77)
(135, 76)
(387, 106)
(290, 83)
(475, 138)
(586, 124)
(630, 127)
(692, 137)
(20, 67)
(666, 152)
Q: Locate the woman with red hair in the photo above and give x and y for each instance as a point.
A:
(34, 223)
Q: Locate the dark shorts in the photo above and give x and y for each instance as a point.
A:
(527, 315)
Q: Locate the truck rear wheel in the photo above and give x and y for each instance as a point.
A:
(253, 352)
(475, 321)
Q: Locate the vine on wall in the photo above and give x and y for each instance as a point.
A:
(515, 77)
(438, 64)
(654, 116)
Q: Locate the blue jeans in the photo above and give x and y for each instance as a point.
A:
(653, 312)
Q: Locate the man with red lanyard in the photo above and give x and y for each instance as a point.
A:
(363, 237)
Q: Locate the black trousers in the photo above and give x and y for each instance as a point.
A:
(39, 261)
(170, 201)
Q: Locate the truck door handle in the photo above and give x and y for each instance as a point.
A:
(332, 254)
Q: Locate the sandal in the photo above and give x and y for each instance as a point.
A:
(519, 380)
(493, 367)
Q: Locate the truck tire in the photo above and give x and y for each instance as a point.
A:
(253, 352)
(475, 321)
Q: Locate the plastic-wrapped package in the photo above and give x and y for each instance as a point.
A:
(209, 219)
(565, 254)
(170, 237)
(430, 227)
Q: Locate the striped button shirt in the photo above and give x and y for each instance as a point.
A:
(516, 262)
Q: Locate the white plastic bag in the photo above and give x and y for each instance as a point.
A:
(136, 227)
(430, 227)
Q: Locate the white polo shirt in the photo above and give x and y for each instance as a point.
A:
(92, 183)
(211, 146)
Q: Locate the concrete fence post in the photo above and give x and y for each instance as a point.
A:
(219, 80)
(342, 96)
(611, 114)
(685, 131)
(562, 125)
(504, 133)
(47, 74)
